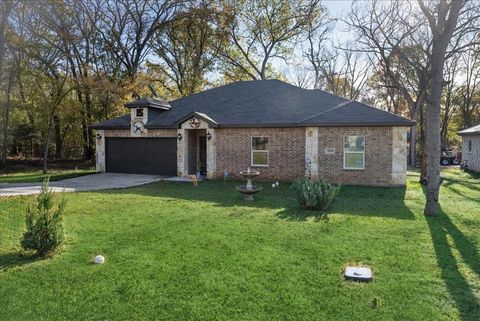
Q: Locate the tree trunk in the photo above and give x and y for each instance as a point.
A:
(423, 161)
(423, 165)
(84, 135)
(444, 132)
(413, 146)
(58, 137)
(6, 120)
(47, 146)
(89, 133)
(413, 134)
(442, 27)
(432, 131)
(467, 119)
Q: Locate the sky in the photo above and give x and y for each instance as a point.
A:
(337, 8)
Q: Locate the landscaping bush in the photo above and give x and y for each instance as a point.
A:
(314, 195)
(44, 224)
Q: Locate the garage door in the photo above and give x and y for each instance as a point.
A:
(141, 155)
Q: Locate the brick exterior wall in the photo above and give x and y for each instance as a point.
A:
(385, 152)
(473, 156)
(286, 152)
(378, 156)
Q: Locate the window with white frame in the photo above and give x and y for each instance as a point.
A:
(139, 112)
(354, 152)
(259, 151)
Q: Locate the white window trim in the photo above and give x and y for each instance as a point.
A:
(364, 150)
(267, 151)
(136, 112)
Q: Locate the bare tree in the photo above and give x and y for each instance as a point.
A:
(126, 27)
(443, 18)
(317, 41)
(263, 30)
(344, 71)
(300, 77)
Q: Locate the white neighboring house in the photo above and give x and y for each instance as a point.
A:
(471, 147)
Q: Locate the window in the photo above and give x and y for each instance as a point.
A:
(469, 145)
(354, 152)
(259, 151)
(139, 112)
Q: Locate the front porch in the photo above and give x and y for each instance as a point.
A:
(196, 147)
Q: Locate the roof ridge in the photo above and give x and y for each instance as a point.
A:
(343, 103)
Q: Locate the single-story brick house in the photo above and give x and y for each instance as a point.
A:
(471, 147)
(282, 130)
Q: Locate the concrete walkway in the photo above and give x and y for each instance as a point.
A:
(82, 183)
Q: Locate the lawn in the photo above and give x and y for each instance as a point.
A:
(38, 176)
(176, 252)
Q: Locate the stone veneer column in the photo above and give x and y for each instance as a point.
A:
(211, 154)
(100, 152)
(133, 118)
(182, 153)
(311, 152)
(399, 156)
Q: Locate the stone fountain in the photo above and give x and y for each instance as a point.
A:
(249, 189)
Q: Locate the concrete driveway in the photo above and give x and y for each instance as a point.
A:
(82, 183)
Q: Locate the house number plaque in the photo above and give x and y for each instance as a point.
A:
(329, 151)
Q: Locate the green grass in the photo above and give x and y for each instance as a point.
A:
(38, 176)
(176, 252)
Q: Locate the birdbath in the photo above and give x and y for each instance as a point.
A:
(249, 189)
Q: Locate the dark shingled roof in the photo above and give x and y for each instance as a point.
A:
(266, 103)
(475, 130)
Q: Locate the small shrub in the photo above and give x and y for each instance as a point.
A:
(305, 192)
(327, 195)
(44, 224)
(314, 195)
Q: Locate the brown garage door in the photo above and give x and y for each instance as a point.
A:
(141, 155)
